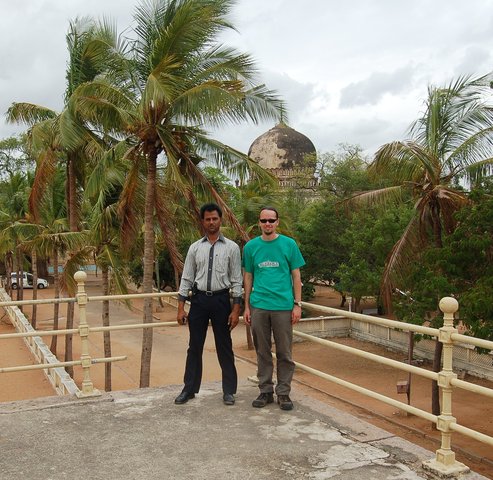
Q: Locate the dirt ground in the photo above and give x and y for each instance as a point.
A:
(169, 350)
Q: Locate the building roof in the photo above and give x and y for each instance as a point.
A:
(281, 147)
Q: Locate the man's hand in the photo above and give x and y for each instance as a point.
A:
(181, 317)
(246, 316)
(295, 315)
(233, 320)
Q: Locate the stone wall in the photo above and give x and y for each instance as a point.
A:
(466, 358)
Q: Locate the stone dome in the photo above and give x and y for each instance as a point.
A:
(281, 147)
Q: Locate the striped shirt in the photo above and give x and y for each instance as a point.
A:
(213, 266)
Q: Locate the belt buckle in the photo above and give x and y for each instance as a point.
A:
(209, 293)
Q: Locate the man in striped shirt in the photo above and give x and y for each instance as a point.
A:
(212, 268)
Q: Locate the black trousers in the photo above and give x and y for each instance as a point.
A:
(216, 308)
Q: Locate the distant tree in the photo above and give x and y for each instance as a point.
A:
(463, 268)
(320, 228)
(344, 172)
(321, 223)
(368, 241)
(453, 139)
(219, 181)
(14, 156)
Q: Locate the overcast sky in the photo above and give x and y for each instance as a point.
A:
(353, 71)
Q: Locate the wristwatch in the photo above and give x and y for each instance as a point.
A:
(297, 303)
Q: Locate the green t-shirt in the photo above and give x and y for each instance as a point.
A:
(271, 264)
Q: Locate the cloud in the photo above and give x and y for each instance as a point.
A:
(371, 90)
(297, 95)
(475, 60)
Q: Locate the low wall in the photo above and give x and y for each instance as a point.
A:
(57, 376)
(465, 357)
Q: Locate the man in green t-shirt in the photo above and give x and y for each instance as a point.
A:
(272, 284)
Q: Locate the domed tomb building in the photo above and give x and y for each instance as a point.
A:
(288, 155)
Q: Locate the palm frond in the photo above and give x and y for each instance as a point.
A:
(403, 254)
(28, 113)
(380, 197)
(45, 172)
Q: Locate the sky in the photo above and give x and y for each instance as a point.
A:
(352, 71)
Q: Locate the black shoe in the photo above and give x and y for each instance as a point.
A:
(228, 399)
(263, 399)
(285, 402)
(184, 397)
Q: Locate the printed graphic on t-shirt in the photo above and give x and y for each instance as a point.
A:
(268, 264)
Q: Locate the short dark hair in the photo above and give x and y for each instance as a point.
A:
(210, 207)
(272, 209)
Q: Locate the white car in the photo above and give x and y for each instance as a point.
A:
(28, 281)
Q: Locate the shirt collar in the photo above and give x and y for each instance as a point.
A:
(221, 238)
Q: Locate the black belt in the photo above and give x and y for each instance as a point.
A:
(217, 292)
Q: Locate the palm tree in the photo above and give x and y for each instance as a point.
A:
(450, 142)
(61, 136)
(177, 80)
(13, 205)
(453, 140)
(102, 191)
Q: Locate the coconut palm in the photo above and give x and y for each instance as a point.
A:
(453, 140)
(178, 80)
(102, 192)
(60, 137)
(450, 142)
(13, 206)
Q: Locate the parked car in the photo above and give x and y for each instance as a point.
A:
(28, 281)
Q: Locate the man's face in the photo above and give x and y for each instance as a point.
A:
(268, 222)
(211, 222)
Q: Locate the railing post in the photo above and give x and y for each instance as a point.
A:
(87, 387)
(444, 463)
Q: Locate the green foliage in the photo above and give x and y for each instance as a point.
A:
(368, 241)
(219, 181)
(319, 229)
(14, 156)
(343, 172)
(462, 268)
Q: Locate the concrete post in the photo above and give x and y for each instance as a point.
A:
(444, 463)
(87, 387)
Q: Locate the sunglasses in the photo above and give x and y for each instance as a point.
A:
(270, 220)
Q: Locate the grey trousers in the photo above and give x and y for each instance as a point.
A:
(266, 323)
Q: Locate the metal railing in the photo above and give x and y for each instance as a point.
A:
(53, 368)
(444, 462)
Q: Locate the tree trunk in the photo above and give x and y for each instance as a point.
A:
(20, 277)
(56, 306)
(71, 193)
(177, 278)
(9, 267)
(149, 240)
(343, 300)
(106, 323)
(34, 264)
(74, 226)
(435, 391)
(158, 283)
(437, 226)
(357, 304)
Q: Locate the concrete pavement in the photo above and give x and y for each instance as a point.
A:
(141, 434)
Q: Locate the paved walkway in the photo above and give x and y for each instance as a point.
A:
(141, 434)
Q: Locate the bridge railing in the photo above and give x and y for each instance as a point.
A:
(444, 462)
